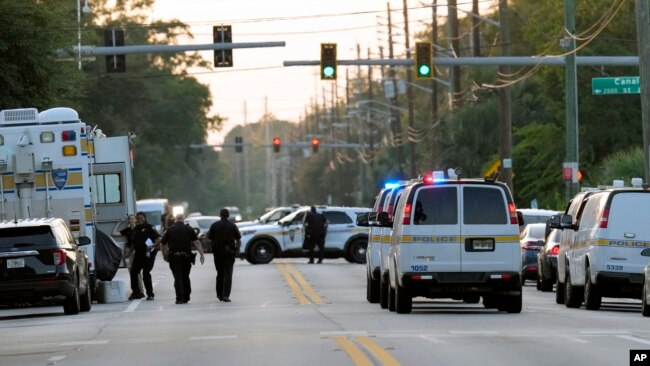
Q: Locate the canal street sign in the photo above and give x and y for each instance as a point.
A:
(616, 85)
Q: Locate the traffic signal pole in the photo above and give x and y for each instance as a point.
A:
(643, 40)
(571, 100)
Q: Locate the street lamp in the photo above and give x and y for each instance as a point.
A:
(86, 10)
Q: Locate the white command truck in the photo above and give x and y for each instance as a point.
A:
(54, 165)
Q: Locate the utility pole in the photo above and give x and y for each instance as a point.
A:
(455, 47)
(247, 186)
(409, 92)
(571, 100)
(505, 114)
(434, 73)
(476, 33)
(642, 19)
(394, 115)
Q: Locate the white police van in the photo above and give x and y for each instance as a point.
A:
(455, 238)
(600, 250)
(373, 252)
(262, 243)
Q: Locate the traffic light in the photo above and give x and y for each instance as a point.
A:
(423, 60)
(328, 61)
(315, 142)
(222, 34)
(239, 141)
(114, 38)
(276, 144)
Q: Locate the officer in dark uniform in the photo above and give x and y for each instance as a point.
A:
(144, 238)
(177, 244)
(224, 239)
(315, 231)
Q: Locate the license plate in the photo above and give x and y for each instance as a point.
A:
(483, 244)
(15, 262)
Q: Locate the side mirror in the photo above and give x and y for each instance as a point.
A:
(566, 222)
(553, 222)
(84, 240)
(645, 252)
(196, 230)
(372, 218)
(362, 219)
(520, 218)
(383, 220)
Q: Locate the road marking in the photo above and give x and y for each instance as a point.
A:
(344, 333)
(82, 343)
(304, 284)
(574, 339)
(634, 339)
(432, 339)
(473, 332)
(602, 332)
(378, 351)
(353, 351)
(302, 300)
(216, 337)
(135, 303)
(55, 359)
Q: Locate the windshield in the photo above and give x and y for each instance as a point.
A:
(154, 217)
(291, 216)
(274, 215)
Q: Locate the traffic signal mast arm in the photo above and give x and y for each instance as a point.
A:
(137, 49)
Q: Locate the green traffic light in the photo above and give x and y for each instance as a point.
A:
(424, 70)
(328, 71)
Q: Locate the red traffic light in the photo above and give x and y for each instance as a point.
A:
(315, 142)
(276, 144)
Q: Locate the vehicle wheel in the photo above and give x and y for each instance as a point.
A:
(372, 290)
(357, 251)
(538, 283)
(85, 301)
(489, 301)
(261, 252)
(591, 294)
(511, 304)
(559, 291)
(403, 300)
(383, 294)
(545, 284)
(71, 305)
(391, 298)
(645, 307)
(471, 299)
(572, 294)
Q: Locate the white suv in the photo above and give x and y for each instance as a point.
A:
(262, 243)
(600, 251)
(455, 238)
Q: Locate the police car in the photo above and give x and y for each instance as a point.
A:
(455, 238)
(262, 243)
(604, 233)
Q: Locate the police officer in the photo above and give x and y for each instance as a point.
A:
(177, 243)
(144, 238)
(315, 231)
(224, 239)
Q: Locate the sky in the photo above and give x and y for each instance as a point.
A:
(258, 82)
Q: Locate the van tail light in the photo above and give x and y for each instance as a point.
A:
(604, 218)
(59, 256)
(555, 250)
(513, 213)
(407, 214)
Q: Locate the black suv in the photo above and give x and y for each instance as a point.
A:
(40, 260)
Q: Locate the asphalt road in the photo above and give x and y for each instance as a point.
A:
(292, 313)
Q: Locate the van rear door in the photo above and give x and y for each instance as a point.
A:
(628, 232)
(434, 229)
(489, 241)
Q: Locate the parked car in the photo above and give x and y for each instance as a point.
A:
(235, 214)
(531, 241)
(40, 260)
(201, 224)
(270, 217)
(535, 215)
(645, 298)
(547, 261)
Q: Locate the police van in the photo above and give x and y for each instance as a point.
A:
(261, 243)
(601, 246)
(373, 252)
(455, 238)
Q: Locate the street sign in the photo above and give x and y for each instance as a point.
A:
(616, 85)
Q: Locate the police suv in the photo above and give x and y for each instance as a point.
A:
(455, 238)
(262, 243)
(604, 233)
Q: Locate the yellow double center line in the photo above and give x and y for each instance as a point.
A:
(299, 286)
(359, 357)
